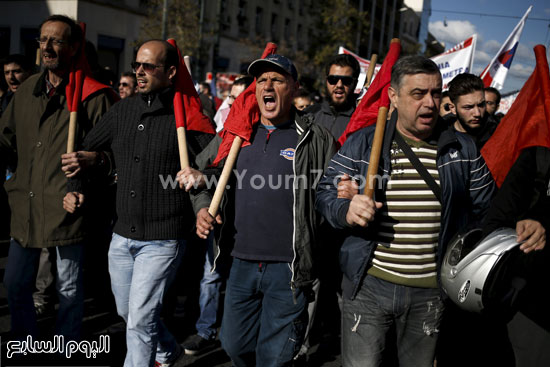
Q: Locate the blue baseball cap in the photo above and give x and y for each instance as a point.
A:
(278, 61)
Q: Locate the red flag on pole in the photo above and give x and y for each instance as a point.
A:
(80, 87)
(187, 105)
(526, 124)
(376, 96)
(244, 114)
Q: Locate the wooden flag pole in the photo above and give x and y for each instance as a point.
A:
(224, 177)
(187, 61)
(72, 131)
(182, 146)
(376, 148)
(38, 60)
(370, 70)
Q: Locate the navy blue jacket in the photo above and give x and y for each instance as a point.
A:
(466, 184)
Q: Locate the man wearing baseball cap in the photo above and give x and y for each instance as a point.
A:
(270, 223)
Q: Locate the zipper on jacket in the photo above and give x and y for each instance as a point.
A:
(149, 99)
(292, 287)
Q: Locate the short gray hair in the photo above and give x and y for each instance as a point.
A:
(410, 65)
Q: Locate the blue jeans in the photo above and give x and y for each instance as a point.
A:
(209, 298)
(20, 278)
(141, 272)
(262, 324)
(415, 313)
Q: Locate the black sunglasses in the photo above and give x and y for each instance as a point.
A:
(147, 67)
(346, 80)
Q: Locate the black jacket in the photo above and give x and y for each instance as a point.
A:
(314, 148)
(141, 131)
(332, 120)
(524, 194)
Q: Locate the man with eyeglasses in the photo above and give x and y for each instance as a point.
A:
(127, 86)
(33, 134)
(154, 217)
(336, 110)
(467, 94)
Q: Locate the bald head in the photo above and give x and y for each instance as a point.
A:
(155, 66)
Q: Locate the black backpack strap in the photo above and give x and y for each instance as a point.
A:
(418, 165)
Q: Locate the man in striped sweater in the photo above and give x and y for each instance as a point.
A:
(394, 243)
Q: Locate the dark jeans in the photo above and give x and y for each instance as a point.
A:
(263, 324)
(209, 298)
(381, 308)
(19, 280)
(45, 278)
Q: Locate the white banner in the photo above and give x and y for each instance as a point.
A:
(506, 102)
(457, 60)
(364, 63)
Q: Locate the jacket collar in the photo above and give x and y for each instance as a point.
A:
(329, 110)
(163, 99)
(40, 86)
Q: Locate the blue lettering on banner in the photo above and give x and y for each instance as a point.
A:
(443, 65)
(452, 73)
(288, 153)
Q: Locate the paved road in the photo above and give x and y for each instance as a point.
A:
(101, 319)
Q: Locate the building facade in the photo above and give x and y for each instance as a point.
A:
(111, 26)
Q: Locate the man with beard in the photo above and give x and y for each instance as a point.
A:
(335, 111)
(33, 134)
(467, 93)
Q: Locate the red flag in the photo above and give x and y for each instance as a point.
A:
(376, 96)
(187, 105)
(244, 114)
(81, 85)
(526, 124)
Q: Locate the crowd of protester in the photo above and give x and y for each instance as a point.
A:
(278, 262)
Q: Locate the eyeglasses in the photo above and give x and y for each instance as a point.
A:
(147, 67)
(447, 107)
(346, 80)
(124, 85)
(45, 40)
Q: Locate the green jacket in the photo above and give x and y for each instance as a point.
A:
(314, 149)
(33, 133)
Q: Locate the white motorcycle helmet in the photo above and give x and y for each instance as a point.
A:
(478, 273)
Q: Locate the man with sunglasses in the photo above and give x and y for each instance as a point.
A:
(336, 110)
(127, 86)
(33, 135)
(155, 217)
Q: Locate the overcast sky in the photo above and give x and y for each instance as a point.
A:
(492, 31)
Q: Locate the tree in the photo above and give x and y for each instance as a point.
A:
(182, 25)
(338, 24)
